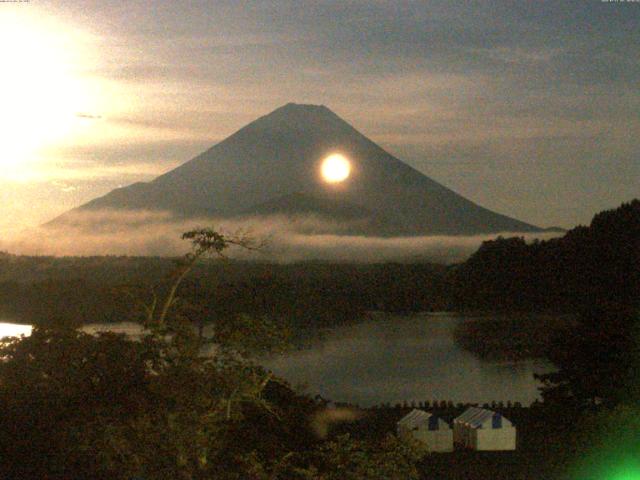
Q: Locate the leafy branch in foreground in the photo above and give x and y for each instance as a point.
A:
(204, 242)
(107, 406)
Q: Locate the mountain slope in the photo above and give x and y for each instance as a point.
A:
(279, 155)
(302, 204)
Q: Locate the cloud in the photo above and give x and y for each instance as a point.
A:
(64, 187)
(287, 239)
(88, 116)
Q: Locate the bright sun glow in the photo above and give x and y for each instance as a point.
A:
(40, 93)
(335, 168)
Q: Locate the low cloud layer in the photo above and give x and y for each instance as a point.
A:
(287, 239)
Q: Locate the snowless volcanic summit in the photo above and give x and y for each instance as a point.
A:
(304, 159)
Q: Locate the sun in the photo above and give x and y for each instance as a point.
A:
(335, 168)
(39, 91)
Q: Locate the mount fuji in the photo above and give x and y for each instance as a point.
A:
(272, 167)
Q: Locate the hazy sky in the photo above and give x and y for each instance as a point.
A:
(529, 108)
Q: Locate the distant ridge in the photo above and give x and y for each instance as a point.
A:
(271, 166)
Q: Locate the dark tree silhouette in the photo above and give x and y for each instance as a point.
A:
(598, 362)
(105, 406)
(598, 263)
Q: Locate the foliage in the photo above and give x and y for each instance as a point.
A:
(82, 406)
(597, 363)
(597, 262)
(108, 407)
(173, 404)
(346, 458)
(305, 296)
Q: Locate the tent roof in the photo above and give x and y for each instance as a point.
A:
(477, 417)
(416, 418)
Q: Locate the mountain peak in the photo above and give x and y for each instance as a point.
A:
(302, 116)
(300, 107)
(273, 164)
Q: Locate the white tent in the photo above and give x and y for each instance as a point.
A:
(482, 429)
(432, 432)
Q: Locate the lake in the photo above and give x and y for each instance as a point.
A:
(394, 358)
(390, 359)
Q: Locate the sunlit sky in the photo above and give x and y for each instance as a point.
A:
(528, 108)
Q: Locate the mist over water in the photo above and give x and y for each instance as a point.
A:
(288, 238)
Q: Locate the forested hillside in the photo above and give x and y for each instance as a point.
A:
(600, 261)
(43, 290)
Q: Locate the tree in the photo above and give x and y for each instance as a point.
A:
(597, 363)
(594, 264)
(174, 404)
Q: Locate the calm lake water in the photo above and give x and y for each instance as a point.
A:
(390, 359)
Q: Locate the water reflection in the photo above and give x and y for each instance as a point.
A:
(14, 330)
(392, 359)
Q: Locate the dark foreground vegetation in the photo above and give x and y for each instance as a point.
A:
(81, 406)
(78, 406)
